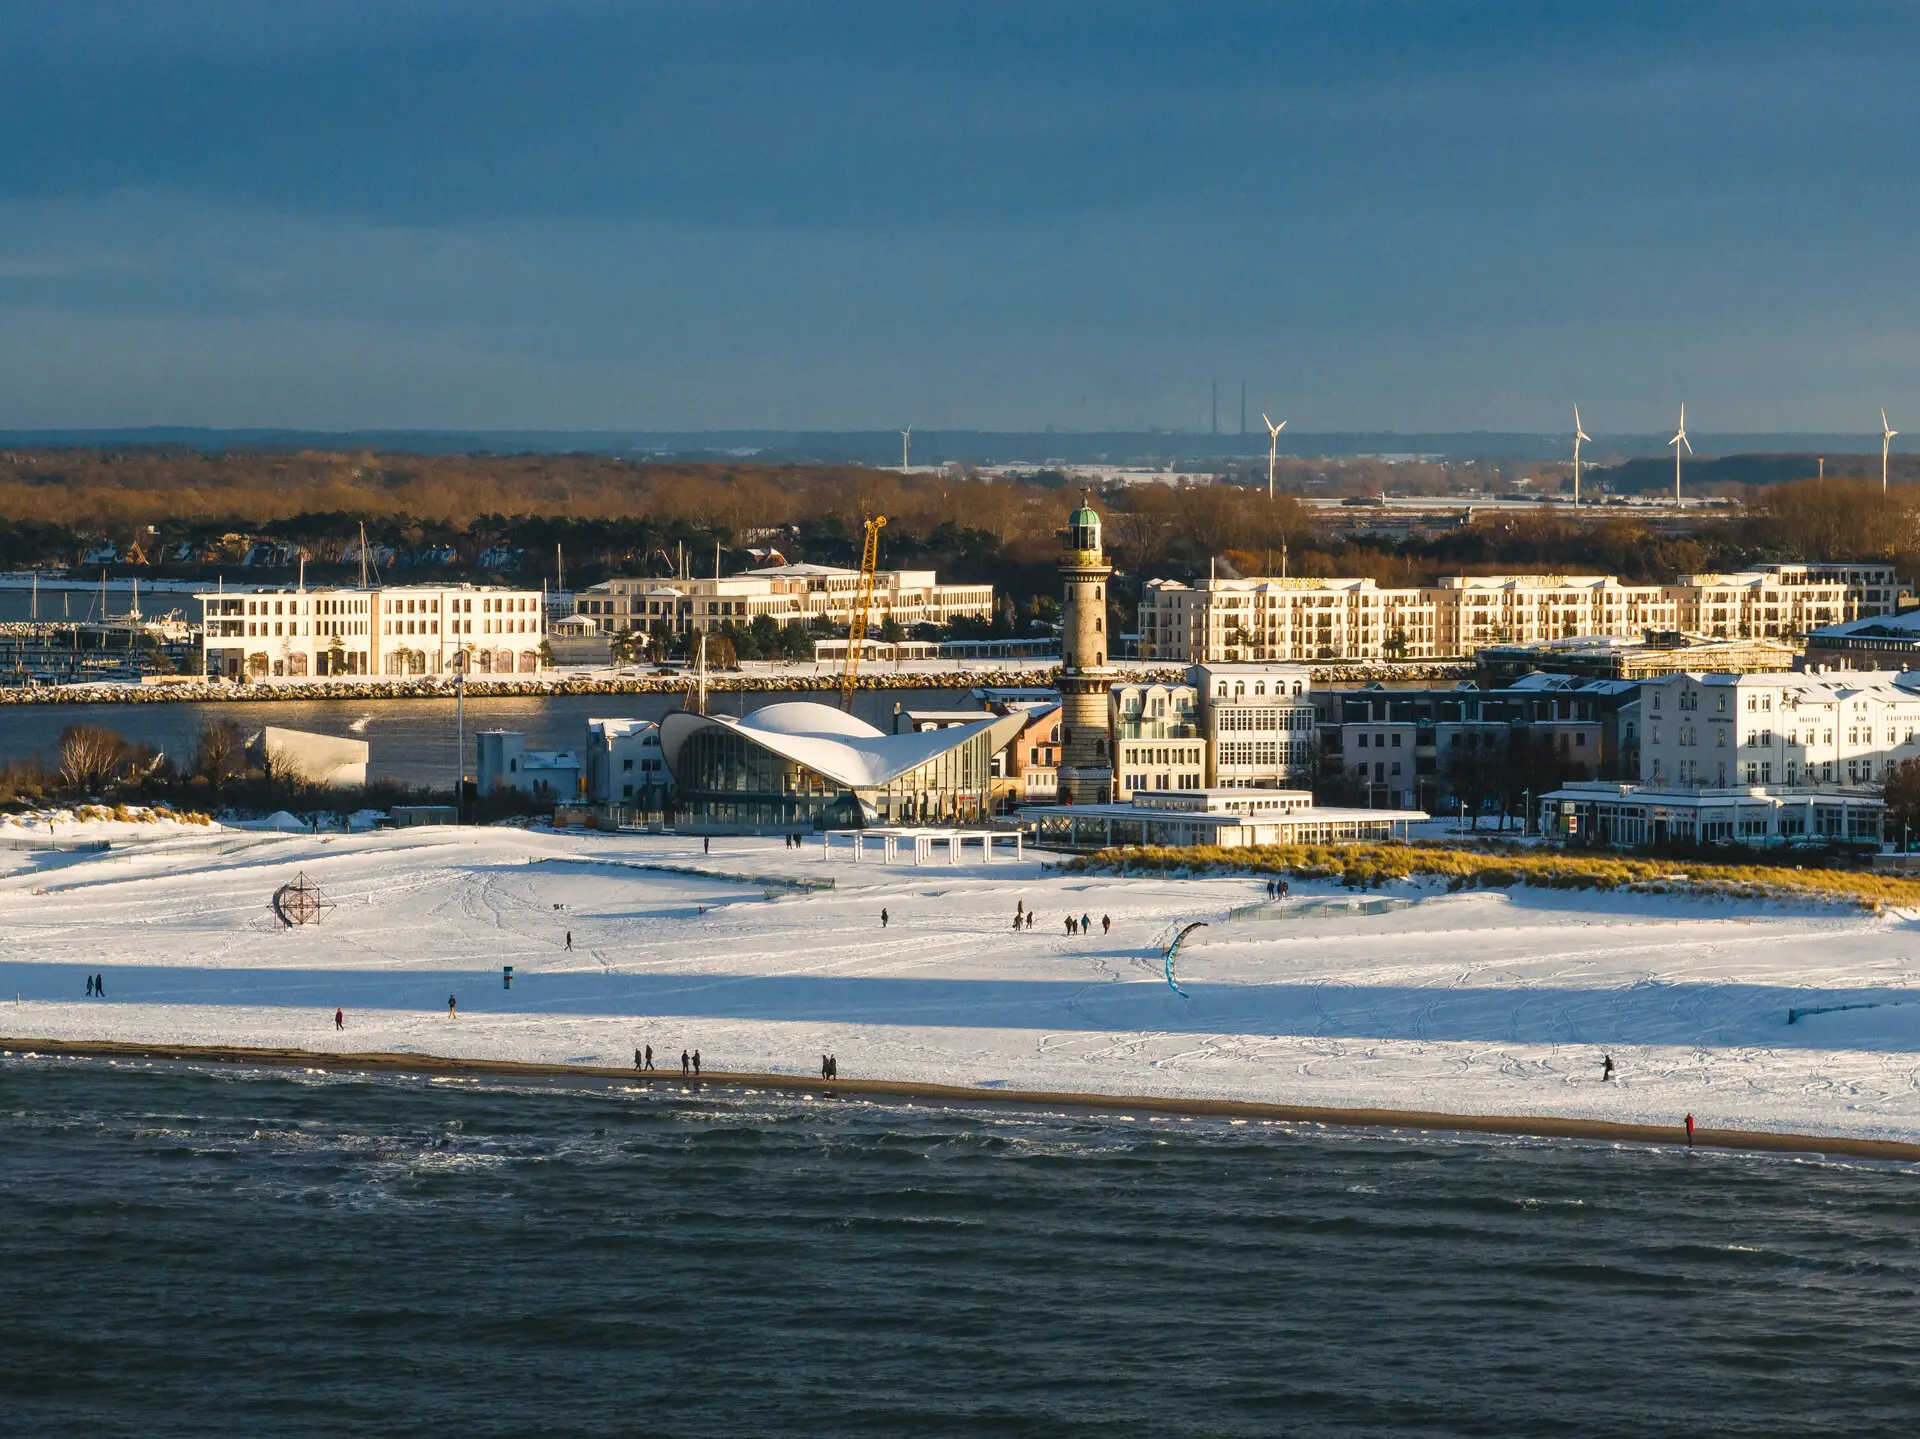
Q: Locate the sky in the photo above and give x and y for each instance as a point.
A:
(608, 214)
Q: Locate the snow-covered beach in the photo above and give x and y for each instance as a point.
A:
(1482, 1002)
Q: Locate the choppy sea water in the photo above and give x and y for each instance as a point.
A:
(188, 1251)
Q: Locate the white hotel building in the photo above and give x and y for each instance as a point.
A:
(1764, 759)
(393, 630)
(1303, 620)
(1788, 730)
(785, 592)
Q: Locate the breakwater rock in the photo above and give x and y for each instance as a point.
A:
(441, 687)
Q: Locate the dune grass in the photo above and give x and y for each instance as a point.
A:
(1366, 866)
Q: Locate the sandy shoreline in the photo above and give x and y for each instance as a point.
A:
(1528, 1126)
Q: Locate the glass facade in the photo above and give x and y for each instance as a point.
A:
(725, 777)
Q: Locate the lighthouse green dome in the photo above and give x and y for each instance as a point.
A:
(1083, 531)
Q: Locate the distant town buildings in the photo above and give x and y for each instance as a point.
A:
(785, 593)
(1305, 620)
(392, 630)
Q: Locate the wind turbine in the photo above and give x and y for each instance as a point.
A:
(1679, 439)
(1273, 448)
(906, 447)
(1578, 435)
(1887, 432)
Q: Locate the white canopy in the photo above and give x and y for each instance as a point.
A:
(844, 749)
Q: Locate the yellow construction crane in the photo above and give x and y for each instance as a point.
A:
(862, 599)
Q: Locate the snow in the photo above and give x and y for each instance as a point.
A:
(1478, 1002)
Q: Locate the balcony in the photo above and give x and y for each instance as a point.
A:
(1155, 729)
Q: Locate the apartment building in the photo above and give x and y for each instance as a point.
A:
(820, 593)
(1354, 619)
(1259, 725)
(1474, 611)
(1774, 602)
(394, 630)
(1229, 621)
(1794, 731)
(1157, 743)
(1417, 747)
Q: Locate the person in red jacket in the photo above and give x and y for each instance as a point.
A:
(1689, 1131)
(339, 1019)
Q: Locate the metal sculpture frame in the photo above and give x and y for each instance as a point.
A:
(300, 902)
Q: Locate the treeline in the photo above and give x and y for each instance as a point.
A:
(442, 517)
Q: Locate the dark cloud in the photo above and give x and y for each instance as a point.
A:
(1119, 186)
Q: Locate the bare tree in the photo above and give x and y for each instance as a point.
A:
(90, 756)
(1900, 792)
(220, 753)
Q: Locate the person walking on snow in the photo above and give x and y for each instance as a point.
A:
(339, 1019)
(450, 1006)
(649, 1056)
(883, 919)
(1029, 919)
(1106, 924)
(89, 986)
(1086, 924)
(636, 1060)
(1606, 1067)
(696, 1064)
(824, 1073)
(99, 986)
(686, 1065)
(833, 1066)
(569, 941)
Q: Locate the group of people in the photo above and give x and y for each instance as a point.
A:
(689, 1062)
(96, 986)
(1276, 889)
(793, 841)
(829, 1066)
(1023, 919)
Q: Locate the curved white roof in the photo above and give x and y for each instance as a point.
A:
(802, 717)
(846, 750)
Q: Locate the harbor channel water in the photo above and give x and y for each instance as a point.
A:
(413, 740)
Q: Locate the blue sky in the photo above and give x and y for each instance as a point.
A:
(575, 214)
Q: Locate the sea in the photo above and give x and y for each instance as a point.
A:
(207, 1250)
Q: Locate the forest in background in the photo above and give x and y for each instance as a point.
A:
(502, 516)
